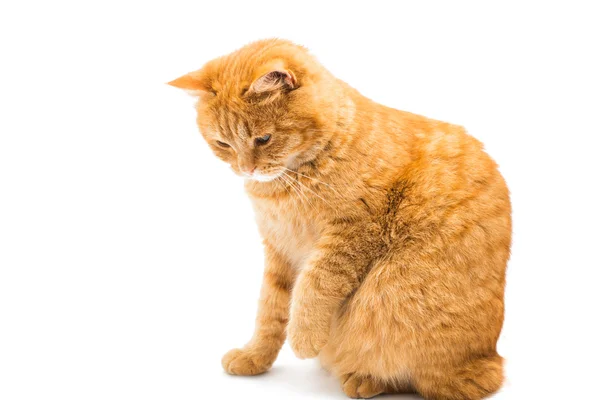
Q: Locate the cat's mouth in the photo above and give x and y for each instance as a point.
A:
(274, 172)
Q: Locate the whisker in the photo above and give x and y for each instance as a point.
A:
(283, 185)
(287, 180)
(314, 179)
(312, 191)
(298, 190)
(300, 185)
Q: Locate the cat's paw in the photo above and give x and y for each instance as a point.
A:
(306, 342)
(361, 387)
(245, 362)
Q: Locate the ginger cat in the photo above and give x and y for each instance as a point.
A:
(386, 233)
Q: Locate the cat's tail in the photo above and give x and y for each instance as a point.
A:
(475, 380)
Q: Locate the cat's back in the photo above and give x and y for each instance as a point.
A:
(448, 185)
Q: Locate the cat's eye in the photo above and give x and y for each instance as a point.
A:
(262, 140)
(223, 144)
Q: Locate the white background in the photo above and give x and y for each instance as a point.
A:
(129, 258)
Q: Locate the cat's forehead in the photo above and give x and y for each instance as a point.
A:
(227, 121)
(230, 75)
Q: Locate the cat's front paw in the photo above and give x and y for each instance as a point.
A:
(306, 342)
(245, 362)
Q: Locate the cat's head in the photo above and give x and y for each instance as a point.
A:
(260, 108)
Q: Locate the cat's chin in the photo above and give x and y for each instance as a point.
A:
(263, 178)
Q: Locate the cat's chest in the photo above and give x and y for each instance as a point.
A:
(293, 234)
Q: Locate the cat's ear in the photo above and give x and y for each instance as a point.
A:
(193, 83)
(277, 78)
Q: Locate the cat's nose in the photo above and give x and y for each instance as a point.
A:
(248, 169)
(247, 165)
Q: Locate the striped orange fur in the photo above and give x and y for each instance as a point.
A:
(386, 233)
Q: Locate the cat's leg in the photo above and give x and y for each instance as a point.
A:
(335, 270)
(366, 345)
(271, 320)
(473, 380)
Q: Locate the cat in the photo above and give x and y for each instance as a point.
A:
(386, 234)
